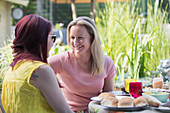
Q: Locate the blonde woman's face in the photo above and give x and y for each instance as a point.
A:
(80, 40)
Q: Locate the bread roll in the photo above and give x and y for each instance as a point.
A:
(105, 94)
(109, 101)
(140, 101)
(152, 100)
(125, 102)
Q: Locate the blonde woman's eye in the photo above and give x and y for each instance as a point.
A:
(72, 37)
(80, 37)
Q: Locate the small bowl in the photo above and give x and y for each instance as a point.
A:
(161, 96)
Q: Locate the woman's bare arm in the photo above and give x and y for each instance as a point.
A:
(108, 85)
(45, 80)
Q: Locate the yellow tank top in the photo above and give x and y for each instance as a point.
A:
(18, 95)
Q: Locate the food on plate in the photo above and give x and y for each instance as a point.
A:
(152, 100)
(140, 101)
(105, 94)
(125, 102)
(161, 96)
(109, 101)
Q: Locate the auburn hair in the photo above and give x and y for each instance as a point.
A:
(31, 35)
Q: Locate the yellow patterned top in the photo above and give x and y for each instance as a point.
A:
(18, 95)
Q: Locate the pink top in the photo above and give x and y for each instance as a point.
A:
(77, 85)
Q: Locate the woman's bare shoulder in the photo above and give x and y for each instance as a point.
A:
(44, 69)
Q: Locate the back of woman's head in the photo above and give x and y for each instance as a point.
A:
(30, 41)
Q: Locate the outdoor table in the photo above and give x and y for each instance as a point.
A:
(95, 107)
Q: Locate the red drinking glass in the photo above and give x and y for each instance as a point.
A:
(135, 89)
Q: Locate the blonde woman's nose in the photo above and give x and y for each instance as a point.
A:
(76, 41)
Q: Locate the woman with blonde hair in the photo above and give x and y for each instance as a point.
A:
(84, 71)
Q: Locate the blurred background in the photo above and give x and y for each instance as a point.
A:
(134, 33)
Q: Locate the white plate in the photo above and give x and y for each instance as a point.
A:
(162, 109)
(96, 98)
(126, 109)
(119, 93)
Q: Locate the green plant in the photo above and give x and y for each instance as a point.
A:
(56, 49)
(116, 25)
(134, 56)
(5, 59)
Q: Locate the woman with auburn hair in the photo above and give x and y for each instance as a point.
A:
(30, 84)
(84, 71)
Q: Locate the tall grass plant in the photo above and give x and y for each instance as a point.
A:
(117, 25)
(5, 59)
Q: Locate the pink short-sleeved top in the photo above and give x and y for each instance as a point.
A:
(77, 85)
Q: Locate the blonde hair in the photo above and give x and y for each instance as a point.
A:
(97, 58)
